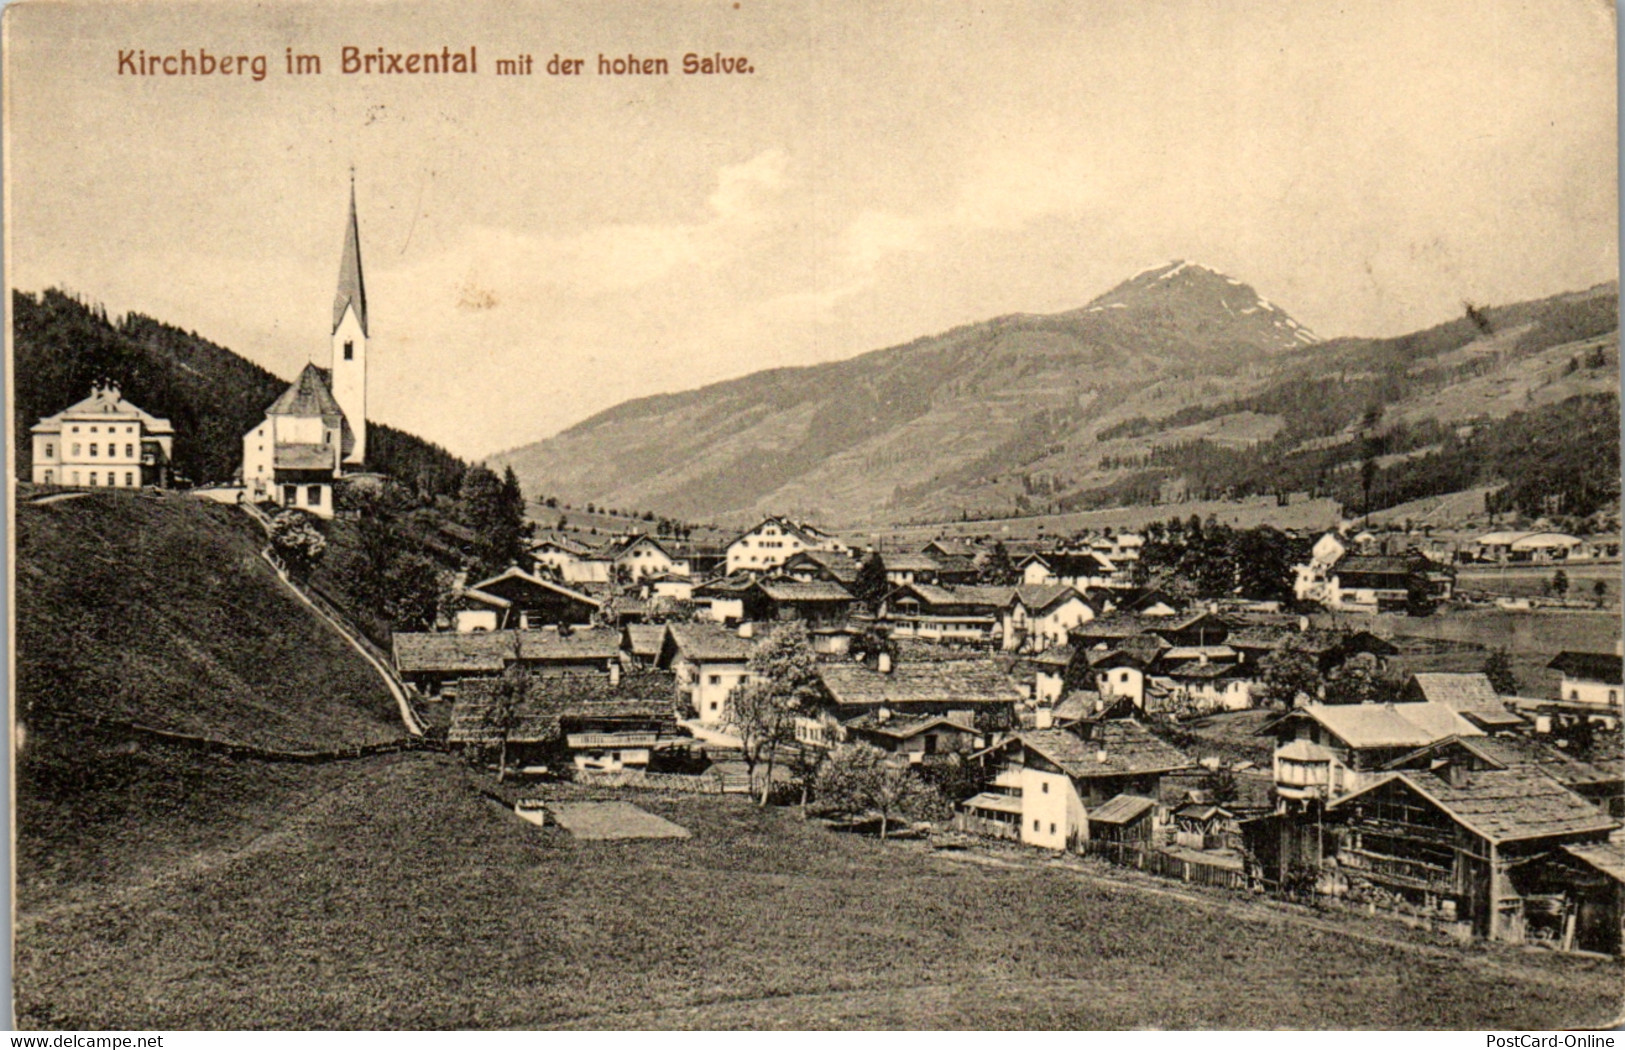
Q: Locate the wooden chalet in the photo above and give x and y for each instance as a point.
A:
(518, 600)
(430, 662)
(940, 613)
(1469, 695)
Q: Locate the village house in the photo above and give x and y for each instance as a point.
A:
(1464, 839)
(636, 556)
(1206, 680)
(1037, 616)
(1382, 583)
(969, 692)
(1050, 674)
(595, 726)
(641, 643)
(1123, 671)
(708, 662)
(103, 441)
(965, 550)
(1312, 579)
(723, 598)
(1468, 694)
(1079, 570)
(945, 613)
(818, 604)
(821, 566)
(517, 600)
(903, 568)
(673, 588)
(1325, 751)
(773, 542)
(434, 663)
(1591, 684)
(1062, 777)
(914, 738)
(557, 552)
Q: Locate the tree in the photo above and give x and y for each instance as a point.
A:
(999, 571)
(861, 778)
(1600, 589)
(1356, 682)
(1498, 668)
(1560, 583)
(509, 697)
(783, 681)
(871, 585)
(494, 508)
(1220, 786)
(1289, 673)
(297, 541)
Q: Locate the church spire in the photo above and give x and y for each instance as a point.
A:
(352, 291)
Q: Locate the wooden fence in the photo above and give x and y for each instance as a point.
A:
(1167, 865)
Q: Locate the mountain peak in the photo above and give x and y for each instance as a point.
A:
(1202, 295)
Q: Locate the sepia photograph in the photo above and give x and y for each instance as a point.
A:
(814, 514)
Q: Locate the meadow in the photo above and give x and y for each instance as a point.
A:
(393, 894)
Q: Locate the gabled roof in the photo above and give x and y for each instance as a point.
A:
(706, 643)
(1502, 805)
(725, 586)
(563, 543)
(810, 536)
(785, 590)
(644, 639)
(644, 699)
(352, 290)
(1122, 809)
(1058, 657)
(947, 682)
(1590, 667)
(992, 598)
(1119, 747)
(906, 562)
(1516, 750)
(490, 651)
(1076, 705)
(1041, 598)
(1069, 564)
(904, 728)
(515, 575)
(1386, 725)
(1469, 694)
(1371, 563)
(838, 565)
(1607, 857)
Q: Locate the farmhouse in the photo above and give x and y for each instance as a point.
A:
(1469, 695)
(971, 692)
(1465, 839)
(1326, 751)
(945, 613)
(103, 441)
(1063, 776)
(1591, 682)
(817, 604)
(599, 726)
(902, 568)
(825, 566)
(1079, 570)
(517, 600)
(708, 662)
(1036, 617)
(914, 738)
(431, 661)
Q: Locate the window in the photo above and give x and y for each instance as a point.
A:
(1574, 694)
(1046, 787)
(129, 479)
(50, 451)
(93, 449)
(1035, 825)
(716, 679)
(48, 477)
(349, 350)
(93, 479)
(1052, 829)
(614, 756)
(290, 495)
(1613, 696)
(314, 495)
(129, 451)
(76, 477)
(713, 705)
(93, 430)
(76, 448)
(74, 429)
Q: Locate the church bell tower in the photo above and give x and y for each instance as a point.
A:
(350, 339)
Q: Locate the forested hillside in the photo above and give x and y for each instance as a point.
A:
(210, 394)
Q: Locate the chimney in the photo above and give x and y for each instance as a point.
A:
(614, 673)
(883, 663)
(1100, 756)
(747, 630)
(883, 715)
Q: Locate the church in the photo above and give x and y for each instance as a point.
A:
(316, 432)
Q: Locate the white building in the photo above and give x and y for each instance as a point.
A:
(774, 542)
(103, 441)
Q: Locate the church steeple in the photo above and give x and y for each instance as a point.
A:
(352, 291)
(350, 339)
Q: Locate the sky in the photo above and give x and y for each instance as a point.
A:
(539, 248)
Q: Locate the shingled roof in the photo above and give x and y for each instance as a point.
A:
(643, 699)
(946, 682)
(488, 652)
(707, 642)
(1502, 805)
(783, 590)
(1388, 725)
(1119, 747)
(1469, 694)
(1041, 598)
(308, 395)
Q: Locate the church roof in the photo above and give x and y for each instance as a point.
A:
(308, 395)
(351, 290)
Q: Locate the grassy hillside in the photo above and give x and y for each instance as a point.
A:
(211, 396)
(403, 899)
(160, 611)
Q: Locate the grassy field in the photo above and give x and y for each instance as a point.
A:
(1526, 581)
(394, 895)
(160, 611)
